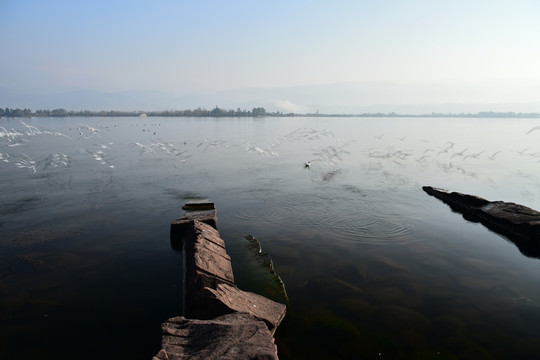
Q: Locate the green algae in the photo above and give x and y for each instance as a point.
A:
(254, 270)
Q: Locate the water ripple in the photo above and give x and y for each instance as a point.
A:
(373, 228)
(57, 160)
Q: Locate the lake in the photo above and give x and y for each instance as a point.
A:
(373, 266)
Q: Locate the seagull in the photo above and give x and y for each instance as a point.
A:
(533, 129)
(492, 157)
(307, 164)
(459, 153)
(474, 156)
(425, 154)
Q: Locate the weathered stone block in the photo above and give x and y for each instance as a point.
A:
(206, 264)
(236, 300)
(182, 228)
(227, 323)
(518, 223)
(200, 204)
(234, 336)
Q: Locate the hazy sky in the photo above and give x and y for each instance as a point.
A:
(187, 47)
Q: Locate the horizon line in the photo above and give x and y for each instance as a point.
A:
(255, 112)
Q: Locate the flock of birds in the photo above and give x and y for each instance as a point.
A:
(448, 149)
(87, 136)
(17, 137)
(329, 155)
(433, 154)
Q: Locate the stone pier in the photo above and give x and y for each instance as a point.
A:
(518, 223)
(219, 320)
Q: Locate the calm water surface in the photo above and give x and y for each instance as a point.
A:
(374, 267)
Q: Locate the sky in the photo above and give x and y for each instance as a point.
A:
(194, 47)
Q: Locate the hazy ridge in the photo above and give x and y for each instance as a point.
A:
(339, 98)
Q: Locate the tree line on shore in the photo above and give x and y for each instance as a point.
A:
(255, 112)
(199, 112)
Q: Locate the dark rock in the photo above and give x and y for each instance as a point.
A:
(231, 299)
(460, 202)
(201, 204)
(226, 322)
(181, 228)
(518, 223)
(206, 264)
(234, 336)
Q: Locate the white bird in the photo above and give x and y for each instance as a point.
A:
(9, 135)
(459, 153)
(533, 129)
(32, 130)
(474, 156)
(492, 157)
(307, 164)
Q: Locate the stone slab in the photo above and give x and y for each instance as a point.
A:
(236, 300)
(182, 228)
(199, 204)
(206, 264)
(236, 336)
(212, 263)
(518, 223)
(206, 231)
(220, 321)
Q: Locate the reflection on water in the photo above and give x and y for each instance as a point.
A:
(374, 268)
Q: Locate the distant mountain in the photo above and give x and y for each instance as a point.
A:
(354, 98)
(340, 98)
(88, 100)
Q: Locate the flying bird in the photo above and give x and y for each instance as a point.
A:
(492, 157)
(459, 153)
(533, 129)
